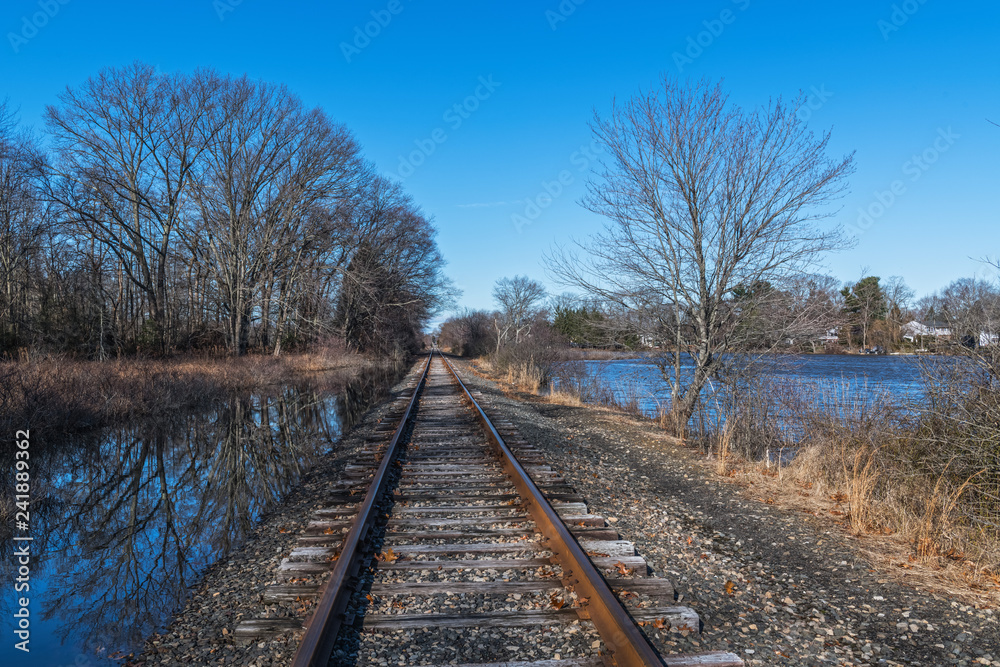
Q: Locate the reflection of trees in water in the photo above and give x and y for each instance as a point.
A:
(44, 509)
(364, 390)
(150, 506)
(128, 518)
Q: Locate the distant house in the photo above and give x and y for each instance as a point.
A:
(830, 337)
(823, 340)
(987, 339)
(911, 330)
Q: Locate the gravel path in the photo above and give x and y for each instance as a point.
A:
(774, 587)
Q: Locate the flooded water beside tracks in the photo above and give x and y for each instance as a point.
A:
(126, 520)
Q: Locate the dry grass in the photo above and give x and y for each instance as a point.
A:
(520, 376)
(525, 376)
(893, 553)
(62, 395)
(565, 397)
(865, 464)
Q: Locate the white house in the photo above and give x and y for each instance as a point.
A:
(929, 328)
(830, 337)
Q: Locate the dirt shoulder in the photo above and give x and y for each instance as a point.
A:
(800, 591)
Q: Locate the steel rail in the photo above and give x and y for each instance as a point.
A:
(627, 644)
(321, 633)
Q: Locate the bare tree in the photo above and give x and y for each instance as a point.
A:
(269, 167)
(22, 225)
(518, 298)
(701, 197)
(806, 309)
(394, 281)
(196, 210)
(468, 334)
(125, 144)
(971, 306)
(898, 298)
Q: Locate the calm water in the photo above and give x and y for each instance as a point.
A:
(127, 520)
(822, 375)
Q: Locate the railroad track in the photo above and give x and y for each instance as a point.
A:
(453, 543)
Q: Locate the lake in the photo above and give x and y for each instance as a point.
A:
(125, 521)
(842, 376)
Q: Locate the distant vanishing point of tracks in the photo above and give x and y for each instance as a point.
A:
(445, 506)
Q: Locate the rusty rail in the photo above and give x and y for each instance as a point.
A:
(324, 626)
(627, 644)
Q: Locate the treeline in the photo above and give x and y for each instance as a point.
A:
(873, 312)
(809, 313)
(763, 314)
(171, 212)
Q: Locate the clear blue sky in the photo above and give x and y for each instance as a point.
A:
(888, 90)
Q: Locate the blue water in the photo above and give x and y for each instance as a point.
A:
(828, 377)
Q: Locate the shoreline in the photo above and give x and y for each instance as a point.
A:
(231, 589)
(803, 591)
(55, 397)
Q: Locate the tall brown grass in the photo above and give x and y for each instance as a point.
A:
(876, 457)
(62, 395)
(522, 375)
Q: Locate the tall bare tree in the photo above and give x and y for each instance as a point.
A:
(971, 306)
(196, 210)
(22, 224)
(518, 298)
(394, 281)
(269, 169)
(898, 298)
(701, 197)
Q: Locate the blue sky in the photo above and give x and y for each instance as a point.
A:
(893, 81)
